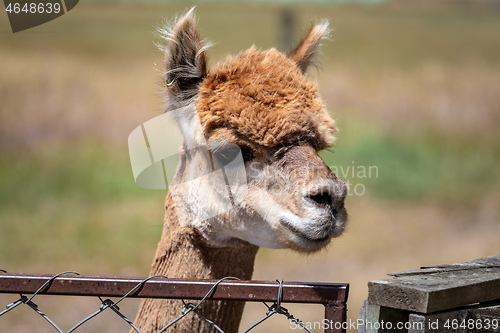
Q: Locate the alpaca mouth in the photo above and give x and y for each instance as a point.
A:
(316, 238)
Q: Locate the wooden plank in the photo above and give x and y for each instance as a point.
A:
(445, 288)
(486, 262)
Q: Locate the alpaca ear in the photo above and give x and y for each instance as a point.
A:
(185, 59)
(305, 52)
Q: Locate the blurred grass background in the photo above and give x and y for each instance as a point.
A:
(414, 87)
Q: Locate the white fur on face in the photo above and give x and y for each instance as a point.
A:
(188, 122)
(272, 225)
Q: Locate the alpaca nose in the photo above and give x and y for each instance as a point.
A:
(321, 199)
(328, 196)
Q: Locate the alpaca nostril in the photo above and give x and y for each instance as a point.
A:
(321, 199)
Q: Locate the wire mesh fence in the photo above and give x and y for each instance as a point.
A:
(332, 295)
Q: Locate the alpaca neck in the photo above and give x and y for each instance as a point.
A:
(182, 253)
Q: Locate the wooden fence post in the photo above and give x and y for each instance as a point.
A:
(461, 297)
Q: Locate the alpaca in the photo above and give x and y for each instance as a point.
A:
(257, 105)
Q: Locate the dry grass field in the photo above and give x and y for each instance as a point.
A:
(415, 89)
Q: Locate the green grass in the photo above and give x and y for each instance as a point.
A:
(76, 207)
(414, 166)
(85, 170)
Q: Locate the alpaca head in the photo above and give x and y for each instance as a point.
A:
(260, 108)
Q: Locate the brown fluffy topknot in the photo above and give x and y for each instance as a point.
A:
(264, 97)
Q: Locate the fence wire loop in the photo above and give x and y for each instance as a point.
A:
(112, 305)
(213, 289)
(107, 303)
(189, 307)
(139, 285)
(280, 293)
(276, 308)
(49, 281)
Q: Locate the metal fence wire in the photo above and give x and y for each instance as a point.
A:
(332, 296)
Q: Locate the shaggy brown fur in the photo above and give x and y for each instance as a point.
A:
(305, 52)
(265, 98)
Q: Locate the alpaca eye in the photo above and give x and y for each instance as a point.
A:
(227, 155)
(225, 152)
(247, 155)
